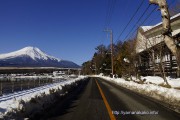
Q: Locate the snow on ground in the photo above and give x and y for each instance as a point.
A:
(12, 101)
(175, 83)
(170, 96)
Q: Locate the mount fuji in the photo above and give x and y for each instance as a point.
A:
(33, 57)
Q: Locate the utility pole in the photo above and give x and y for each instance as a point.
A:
(168, 39)
(112, 59)
(95, 68)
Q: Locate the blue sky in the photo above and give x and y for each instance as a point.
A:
(67, 29)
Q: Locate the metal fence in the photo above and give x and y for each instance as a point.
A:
(11, 86)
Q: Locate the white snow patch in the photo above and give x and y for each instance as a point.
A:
(175, 83)
(12, 101)
(168, 95)
(146, 28)
(126, 60)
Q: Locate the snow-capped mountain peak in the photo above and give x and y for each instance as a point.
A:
(33, 57)
(33, 52)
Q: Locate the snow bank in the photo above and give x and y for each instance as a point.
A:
(175, 83)
(33, 99)
(168, 96)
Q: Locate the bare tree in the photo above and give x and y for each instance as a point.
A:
(170, 42)
(161, 64)
(154, 54)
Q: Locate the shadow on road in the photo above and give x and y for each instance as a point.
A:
(64, 104)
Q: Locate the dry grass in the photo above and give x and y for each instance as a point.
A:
(165, 85)
(177, 88)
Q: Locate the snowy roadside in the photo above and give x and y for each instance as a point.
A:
(169, 96)
(18, 101)
(174, 83)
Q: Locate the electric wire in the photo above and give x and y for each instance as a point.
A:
(138, 20)
(131, 19)
(131, 33)
(148, 16)
(110, 10)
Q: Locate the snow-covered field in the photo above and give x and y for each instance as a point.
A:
(151, 88)
(175, 83)
(11, 103)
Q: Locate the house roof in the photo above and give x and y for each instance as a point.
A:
(149, 36)
(148, 28)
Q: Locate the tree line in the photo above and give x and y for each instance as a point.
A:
(123, 58)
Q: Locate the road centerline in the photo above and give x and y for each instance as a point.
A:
(112, 117)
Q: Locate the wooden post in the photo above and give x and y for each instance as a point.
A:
(21, 85)
(39, 82)
(1, 90)
(12, 86)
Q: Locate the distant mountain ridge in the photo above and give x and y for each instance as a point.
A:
(33, 57)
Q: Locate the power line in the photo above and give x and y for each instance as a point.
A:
(148, 16)
(138, 20)
(107, 12)
(130, 19)
(110, 10)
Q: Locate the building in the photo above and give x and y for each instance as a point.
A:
(153, 56)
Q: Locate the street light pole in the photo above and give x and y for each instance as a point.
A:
(111, 40)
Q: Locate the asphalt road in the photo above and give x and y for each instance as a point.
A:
(97, 99)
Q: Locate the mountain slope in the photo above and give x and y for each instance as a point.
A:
(33, 57)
